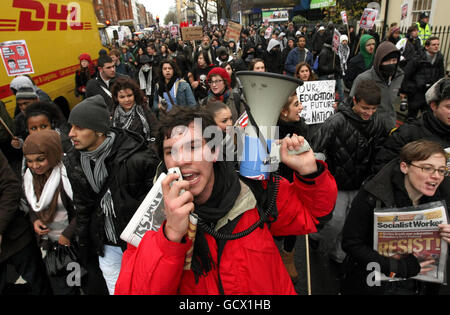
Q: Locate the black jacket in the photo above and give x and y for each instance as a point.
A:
(15, 227)
(131, 168)
(426, 127)
(326, 67)
(349, 144)
(355, 66)
(388, 189)
(420, 74)
(273, 62)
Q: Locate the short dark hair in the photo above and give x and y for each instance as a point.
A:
(50, 110)
(104, 59)
(429, 40)
(123, 83)
(254, 62)
(369, 92)
(181, 116)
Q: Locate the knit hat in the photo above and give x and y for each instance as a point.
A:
(26, 93)
(221, 72)
(439, 91)
(92, 113)
(20, 82)
(85, 57)
(343, 37)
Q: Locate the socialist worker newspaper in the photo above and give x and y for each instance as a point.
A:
(415, 230)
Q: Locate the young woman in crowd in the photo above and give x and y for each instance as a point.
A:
(304, 72)
(171, 90)
(131, 112)
(417, 177)
(84, 74)
(219, 82)
(197, 76)
(290, 123)
(49, 195)
(257, 65)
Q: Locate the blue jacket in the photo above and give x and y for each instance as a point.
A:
(293, 60)
(183, 92)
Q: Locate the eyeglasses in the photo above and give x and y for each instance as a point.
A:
(443, 171)
(215, 82)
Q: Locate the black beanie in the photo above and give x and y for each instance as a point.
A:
(92, 113)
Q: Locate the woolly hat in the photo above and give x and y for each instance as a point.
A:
(92, 113)
(26, 93)
(343, 37)
(221, 72)
(20, 82)
(85, 57)
(439, 91)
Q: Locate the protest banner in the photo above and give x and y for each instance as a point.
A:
(192, 33)
(233, 32)
(273, 15)
(368, 19)
(268, 33)
(319, 4)
(317, 98)
(16, 58)
(413, 230)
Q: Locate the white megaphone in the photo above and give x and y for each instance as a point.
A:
(265, 95)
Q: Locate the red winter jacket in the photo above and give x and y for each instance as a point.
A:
(250, 265)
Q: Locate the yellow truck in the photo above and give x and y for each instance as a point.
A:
(43, 39)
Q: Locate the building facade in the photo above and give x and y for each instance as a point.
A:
(406, 12)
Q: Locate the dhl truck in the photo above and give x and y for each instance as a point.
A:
(43, 39)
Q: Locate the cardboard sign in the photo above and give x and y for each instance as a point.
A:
(233, 31)
(16, 58)
(368, 19)
(192, 33)
(344, 18)
(317, 98)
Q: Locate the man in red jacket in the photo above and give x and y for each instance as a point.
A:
(224, 261)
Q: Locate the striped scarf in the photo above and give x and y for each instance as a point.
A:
(97, 179)
(124, 119)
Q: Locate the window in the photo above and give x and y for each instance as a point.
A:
(102, 15)
(99, 2)
(420, 6)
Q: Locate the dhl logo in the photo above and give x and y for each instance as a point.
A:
(35, 16)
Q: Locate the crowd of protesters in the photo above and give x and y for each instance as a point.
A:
(74, 180)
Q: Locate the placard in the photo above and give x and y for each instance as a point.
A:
(336, 40)
(317, 98)
(192, 33)
(368, 19)
(16, 58)
(344, 18)
(233, 31)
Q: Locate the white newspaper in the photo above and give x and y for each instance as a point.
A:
(150, 214)
(415, 230)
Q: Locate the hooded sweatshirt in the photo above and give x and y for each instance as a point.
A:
(389, 86)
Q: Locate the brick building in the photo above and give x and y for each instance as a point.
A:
(113, 10)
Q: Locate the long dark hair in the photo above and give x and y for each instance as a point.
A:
(163, 87)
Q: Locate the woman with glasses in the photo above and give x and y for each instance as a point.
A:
(219, 82)
(418, 176)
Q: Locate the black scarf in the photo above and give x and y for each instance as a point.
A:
(166, 88)
(223, 197)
